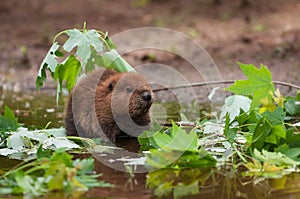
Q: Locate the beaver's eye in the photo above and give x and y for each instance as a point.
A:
(129, 90)
(110, 86)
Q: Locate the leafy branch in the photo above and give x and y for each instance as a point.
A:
(93, 48)
(51, 172)
(255, 124)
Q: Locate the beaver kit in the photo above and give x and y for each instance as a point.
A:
(105, 103)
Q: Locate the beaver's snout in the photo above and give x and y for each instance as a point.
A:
(146, 95)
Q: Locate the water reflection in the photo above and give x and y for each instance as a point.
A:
(37, 109)
(224, 183)
(34, 109)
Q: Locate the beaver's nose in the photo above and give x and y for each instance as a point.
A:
(146, 95)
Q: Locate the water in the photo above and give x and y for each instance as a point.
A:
(36, 110)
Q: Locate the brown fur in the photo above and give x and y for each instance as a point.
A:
(105, 103)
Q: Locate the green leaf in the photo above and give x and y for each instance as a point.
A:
(259, 83)
(43, 153)
(8, 121)
(275, 117)
(261, 132)
(110, 43)
(112, 59)
(49, 62)
(277, 132)
(179, 159)
(230, 133)
(61, 155)
(26, 183)
(95, 59)
(83, 40)
(291, 107)
(56, 174)
(293, 153)
(85, 166)
(68, 71)
(50, 59)
(146, 138)
(178, 139)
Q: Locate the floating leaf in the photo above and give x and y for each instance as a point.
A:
(233, 105)
(24, 144)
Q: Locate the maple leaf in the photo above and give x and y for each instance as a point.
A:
(49, 62)
(259, 83)
(233, 105)
(83, 40)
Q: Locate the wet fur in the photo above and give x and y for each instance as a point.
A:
(102, 97)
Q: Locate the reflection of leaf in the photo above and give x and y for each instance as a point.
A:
(179, 183)
(275, 158)
(192, 189)
(259, 83)
(26, 183)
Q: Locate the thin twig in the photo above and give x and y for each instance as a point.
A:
(217, 82)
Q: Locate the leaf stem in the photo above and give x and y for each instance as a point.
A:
(59, 34)
(18, 168)
(239, 153)
(36, 168)
(84, 26)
